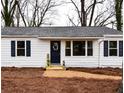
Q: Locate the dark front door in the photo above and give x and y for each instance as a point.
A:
(55, 52)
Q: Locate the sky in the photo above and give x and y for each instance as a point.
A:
(62, 12)
(68, 9)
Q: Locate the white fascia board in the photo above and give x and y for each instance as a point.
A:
(19, 36)
(69, 38)
(113, 36)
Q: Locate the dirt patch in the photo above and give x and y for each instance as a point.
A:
(71, 74)
(21, 73)
(105, 71)
(33, 81)
(22, 68)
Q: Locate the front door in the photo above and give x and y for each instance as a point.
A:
(55, 52)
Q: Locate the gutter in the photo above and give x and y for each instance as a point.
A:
(19, 36)
(69, 38)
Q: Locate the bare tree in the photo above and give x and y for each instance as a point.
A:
(40, 14)
(86, 14)
(8, 10)
(32, 13)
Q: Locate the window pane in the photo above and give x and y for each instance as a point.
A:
(68, 52)
(90, 52)
(113, 44)
(79, 48)
(113, 52)
(68, 44)
(89, 48)
(68, 48)
(20, 52)
(20, 44)
(90, 44)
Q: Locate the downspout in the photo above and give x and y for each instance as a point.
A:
(99, 53)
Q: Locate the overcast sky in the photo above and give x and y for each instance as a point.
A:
(62, 11)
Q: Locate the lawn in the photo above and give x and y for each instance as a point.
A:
(31, 80)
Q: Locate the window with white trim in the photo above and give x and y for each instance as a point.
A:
(112, 48)
(79, 48)
(20, 48)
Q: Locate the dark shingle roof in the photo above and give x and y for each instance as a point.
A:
(60, 31)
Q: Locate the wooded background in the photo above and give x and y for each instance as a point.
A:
(38, 13)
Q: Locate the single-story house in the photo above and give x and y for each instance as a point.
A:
(73, 46)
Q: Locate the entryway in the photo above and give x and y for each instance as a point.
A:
(55, 52)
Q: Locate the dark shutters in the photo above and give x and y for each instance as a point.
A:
(13, 48)
(28, 48)
(120, 48)
(106, 48)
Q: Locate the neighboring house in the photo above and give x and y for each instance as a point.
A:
(76, 46)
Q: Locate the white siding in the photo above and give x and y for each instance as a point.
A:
(39, 50)
(97, 60)
(110, 61)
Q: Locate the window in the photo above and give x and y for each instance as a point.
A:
(79, 48)
(89, 48)
(20, 48)
(113, 48)
(68, 48)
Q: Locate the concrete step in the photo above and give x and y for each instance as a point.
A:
(55, 68)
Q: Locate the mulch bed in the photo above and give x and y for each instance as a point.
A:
(31, 80)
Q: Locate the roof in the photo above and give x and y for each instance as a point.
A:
(60, 31)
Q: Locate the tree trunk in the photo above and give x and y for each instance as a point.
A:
(83, 13)
(92, 13)
(118, 7)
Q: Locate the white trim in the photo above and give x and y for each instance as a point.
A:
(69, 38)
(86, 47)
(113, 36)
(19, 36)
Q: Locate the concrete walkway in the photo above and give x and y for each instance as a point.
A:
(71, 74)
